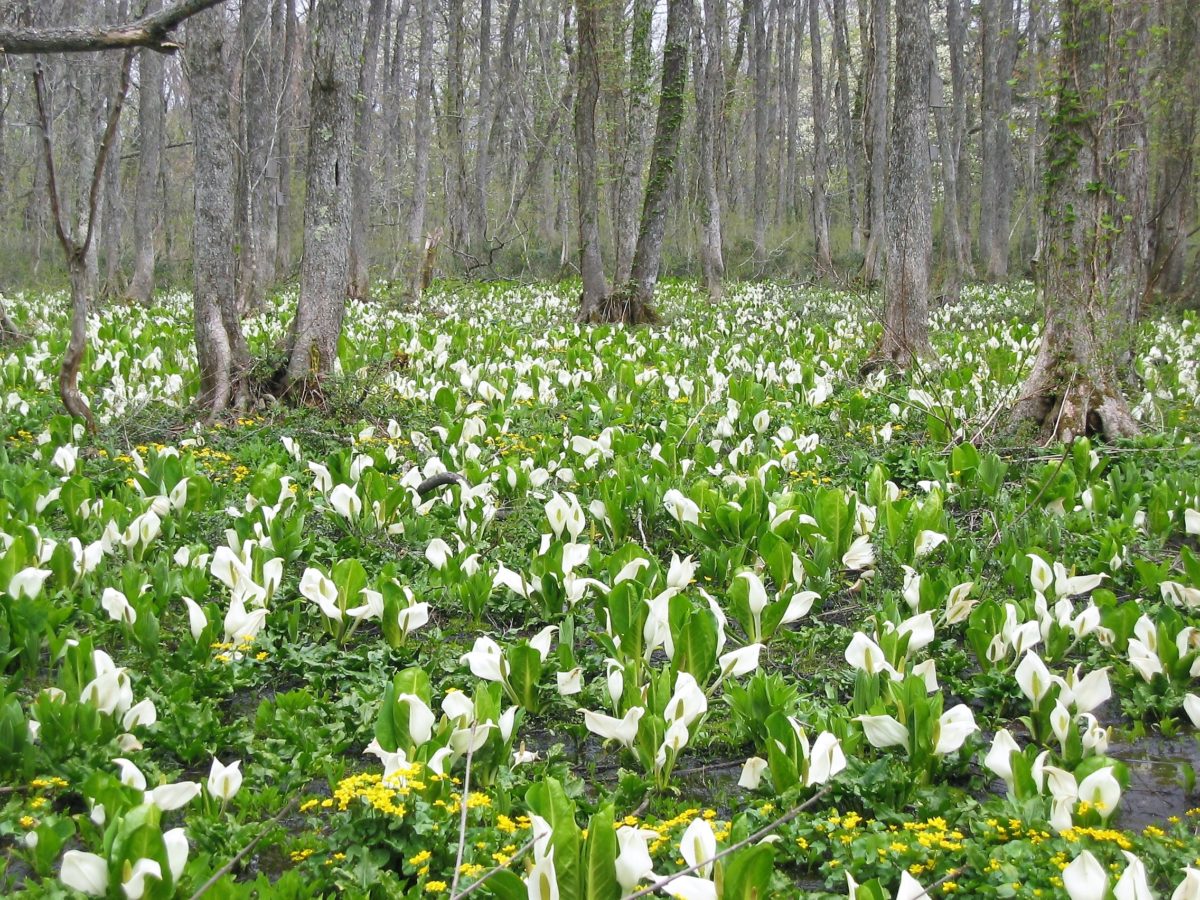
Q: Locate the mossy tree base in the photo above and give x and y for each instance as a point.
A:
(623, 307)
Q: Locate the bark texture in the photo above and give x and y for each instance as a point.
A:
(312, 349)
(909, 193)
(995, 212)
(591, 265)
(151, 110)
(875, 136)
(1095, 231)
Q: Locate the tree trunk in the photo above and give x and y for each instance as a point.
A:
(634, 306)
(151, 112)
(364, 125)
(422, 131)
(641, 64)
(760, 61)
(995, 212)
(710, 92)
(1093, 270)
(285, 19)
(591, 265)
(909, 193)
(479, 182)
(875, 135)
(312, 350)
(221, 351)
(960, 89)
(1174, 177)
(459, 201)
(820, 211)
(257, 218)
(850, 148)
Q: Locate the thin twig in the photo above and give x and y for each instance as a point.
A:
(757, 836)
(494, 870)
(225, 869)
(462, 821)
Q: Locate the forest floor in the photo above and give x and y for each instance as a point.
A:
(769, 582)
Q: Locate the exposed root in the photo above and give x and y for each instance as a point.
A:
(1082, 409)
(623, 307)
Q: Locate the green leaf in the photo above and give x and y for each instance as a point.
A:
(600, 853)
(550, 801)
(748, 873)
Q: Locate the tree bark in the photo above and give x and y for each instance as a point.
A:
(957, 36)
(850, 149)
(459, 202)
(286, 23)
(1092, 274)
(909, 193)
(1174, 177)
(151, 113)
(591, 265)
(760, 62)
(995, 212)
(422, 130)
(312, 350)
(641, 65)
(710, 91)
(875, 134)
(224, 360)
(364, 127)
(635, 306)
(820, 211)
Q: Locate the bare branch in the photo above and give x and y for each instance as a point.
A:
(154, 31)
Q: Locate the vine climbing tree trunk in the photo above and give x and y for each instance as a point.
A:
(1095, 229)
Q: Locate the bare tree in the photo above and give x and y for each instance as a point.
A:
(875, 134)
(820, 209)
(155, 31)
(710, 89)
(999, 41)
(364, 122)
(1092, 274)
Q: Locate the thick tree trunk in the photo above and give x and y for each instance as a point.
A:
(710, 90)
(364, 127)
(1174, 177)
(151, 112)
(999, 41)
(258, 217)
(221, 351)
(909, 193)
(591, 265)
(1092, 274)
(641, 65)
(875, 134)
(422, 133)
(820, 211)
(634, 304)
(312, 350)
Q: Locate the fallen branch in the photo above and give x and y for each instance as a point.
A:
(154, 31)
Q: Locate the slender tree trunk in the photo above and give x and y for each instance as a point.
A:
(1092, 275)
(479, 192)
(285, 14)
(1174, 177)
(641, 65)
(875, 134)
(850, 149)
(461, 230)
(957, 38)
(364, 126)
(591, 265)
(422, 134)
(952, 243)
(760, 57)
(221, 351)
(710, 92)
(820, 211)
(151, 112)
(318, 323)
(995, 212)
(909, 193)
